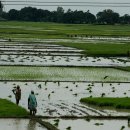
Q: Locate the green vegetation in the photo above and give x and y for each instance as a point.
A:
(123, 68)
(120, 103)
(106, 16)
(63, 74)
(9, 109)
(43, 30)
(101, 49)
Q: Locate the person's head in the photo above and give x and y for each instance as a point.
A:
(32, 92)
(18, 87)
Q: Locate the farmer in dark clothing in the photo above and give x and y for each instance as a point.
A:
(32, 103)
(17, 93)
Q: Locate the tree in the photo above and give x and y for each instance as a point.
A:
(107, 17)
(78, 17)
(68, 17)
(1, 8)
(4, 15)
(89, 18)
(60, 13)
(28, 14)
(13, 15)
(125, 19)
(43, 15)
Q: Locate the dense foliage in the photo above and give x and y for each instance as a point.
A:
(60, 16)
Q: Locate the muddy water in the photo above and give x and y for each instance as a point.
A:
(44, 50)
(34, 46)
(82, 124)
(15, 46)
(20, 124)
(78, 40)
(62, 98)
(39, 53)
(41, 60)
(35, 54)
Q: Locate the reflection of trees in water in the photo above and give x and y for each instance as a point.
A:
(31, 125)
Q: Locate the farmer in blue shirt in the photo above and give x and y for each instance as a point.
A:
(32, 103)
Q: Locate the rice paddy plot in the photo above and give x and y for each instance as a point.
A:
(26, 44)
(91, 124)
(41, 60)
(52, 99)
(35, 46)
(8, 52)
(63, 74)
(85, 40)
(39, 50)
(20, 124)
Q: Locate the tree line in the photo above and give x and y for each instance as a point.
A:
(107, 16)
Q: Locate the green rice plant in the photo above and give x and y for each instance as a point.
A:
(120, 103)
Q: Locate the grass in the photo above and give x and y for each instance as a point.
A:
(9, 109)
(101, 49)
(54, 30)
(123, 68)
(42, 30)
(120, 103)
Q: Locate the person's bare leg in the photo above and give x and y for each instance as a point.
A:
(17, 101)
(30, 112)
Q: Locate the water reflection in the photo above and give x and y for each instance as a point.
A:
(20, 124)
(31, 125)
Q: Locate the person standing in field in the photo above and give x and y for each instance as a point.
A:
(17, 93)
(32, 103)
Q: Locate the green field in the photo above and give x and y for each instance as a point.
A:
(120, 103)
(54, 30)
(31, 31)
(63, 74)
(101, 49)
(9, 109)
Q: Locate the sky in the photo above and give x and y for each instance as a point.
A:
(94, 10)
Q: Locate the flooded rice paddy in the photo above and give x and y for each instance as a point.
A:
(57, 88)
(38, 54)
(82, 124)
(20, 124)
(73, 39)
(62, 98)
(43, 60)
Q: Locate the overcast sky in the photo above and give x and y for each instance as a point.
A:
(94, 10)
